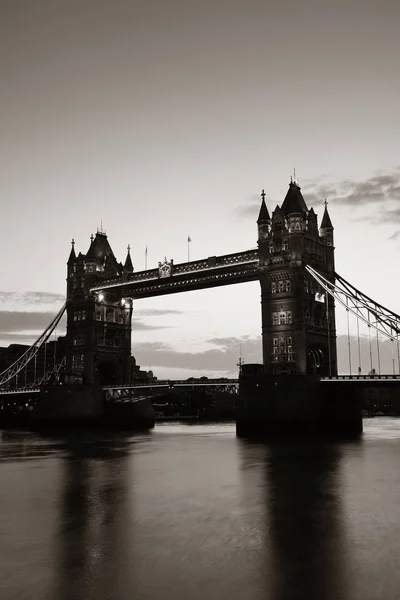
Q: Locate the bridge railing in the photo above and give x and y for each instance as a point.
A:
(375, 377)
(169, 383)
(212, 262)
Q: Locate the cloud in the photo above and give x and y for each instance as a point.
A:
(24, 321)
(390, 216)
(251, 208)
(380, 188)
(222, 359)
(157, 312)
(394, 235)
(139, 325)
(26, 326)
(225, 357)
(28, 298)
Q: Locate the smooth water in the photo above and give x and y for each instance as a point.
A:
(191, 512)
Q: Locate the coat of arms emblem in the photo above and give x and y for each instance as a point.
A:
(165, 268)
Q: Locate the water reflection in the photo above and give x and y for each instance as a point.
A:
(193, 512)
(304, 538)
(93, 537)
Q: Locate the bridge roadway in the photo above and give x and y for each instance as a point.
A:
(209, 272)
(216, 383)
(171, 383)
(158, 384)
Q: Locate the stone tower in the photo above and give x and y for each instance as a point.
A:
(298, 321)
(98, 339)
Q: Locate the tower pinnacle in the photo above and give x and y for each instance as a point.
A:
(128, 266)
(72, 255)
(326, 222)
(263, 214)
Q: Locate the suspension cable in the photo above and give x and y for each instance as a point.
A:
(329, 335)
(370, 343)
(398, 351)
(392, 346)
(358, 344)
(377, 351)
(11, 372)
(383, 320)
(55, 346)
(348, 334)
(45, 359)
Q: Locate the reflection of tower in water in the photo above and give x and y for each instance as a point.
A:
(94, 533)
(305, 521)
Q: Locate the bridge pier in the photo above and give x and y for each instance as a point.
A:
(297, 405)
(72, 406)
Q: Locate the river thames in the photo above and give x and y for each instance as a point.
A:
(191, 512)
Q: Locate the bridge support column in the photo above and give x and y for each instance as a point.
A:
(298, 405)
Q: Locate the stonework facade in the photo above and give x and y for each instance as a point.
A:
(298, 320)
(98, 339)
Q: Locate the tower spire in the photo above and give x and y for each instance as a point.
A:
(128, 266)
(326, 222)
(263, 214)
(72, 255)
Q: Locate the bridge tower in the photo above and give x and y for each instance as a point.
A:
(298, 321)
(98, 339)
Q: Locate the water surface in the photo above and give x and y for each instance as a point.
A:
(191, 512)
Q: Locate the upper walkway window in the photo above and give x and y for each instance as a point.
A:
(282, 317)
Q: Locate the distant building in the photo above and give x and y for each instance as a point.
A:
(49, 355)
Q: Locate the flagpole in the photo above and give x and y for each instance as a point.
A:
(145, 259)
(188, 243)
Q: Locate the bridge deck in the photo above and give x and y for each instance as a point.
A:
(213, 271)
(352, 378)
(174, 383)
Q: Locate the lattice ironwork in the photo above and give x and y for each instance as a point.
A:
(20, 364)
(54, 372)
(212, 271)
(140, 391)
(376, 316)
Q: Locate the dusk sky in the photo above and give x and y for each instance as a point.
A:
(165, 118)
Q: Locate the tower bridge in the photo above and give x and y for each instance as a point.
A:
(295, 265)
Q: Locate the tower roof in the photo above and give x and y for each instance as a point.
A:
(72, 255)
(99, 248)
(294, 201)
(128, 266)
(263, 214)
(326, 222)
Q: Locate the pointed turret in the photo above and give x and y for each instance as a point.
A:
(326, 229)
(294, 201)
(72, 255)
(128, 266)
(263, 215)
(264, 220)
(326, 222)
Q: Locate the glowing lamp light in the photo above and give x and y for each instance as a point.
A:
(123, 302)
(101, 297)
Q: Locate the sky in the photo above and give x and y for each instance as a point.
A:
(159, 119)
